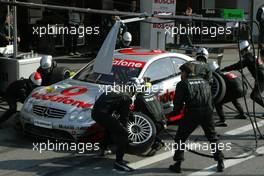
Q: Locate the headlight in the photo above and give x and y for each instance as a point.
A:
(84, 116)
(73, 115)
(27, 107)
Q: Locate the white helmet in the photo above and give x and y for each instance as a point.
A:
(244, 45)
(46, 62)
(202, 52)
(127, 38)
(36, 78)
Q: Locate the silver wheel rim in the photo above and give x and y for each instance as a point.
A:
(139, 130)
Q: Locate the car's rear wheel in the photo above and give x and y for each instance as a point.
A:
(141, 133)
(218, 88)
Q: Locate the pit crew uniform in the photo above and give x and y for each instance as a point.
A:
(17, 91)
(234, 90)
(195, 92)
(103, 110)
(46, 74)
(256, 68)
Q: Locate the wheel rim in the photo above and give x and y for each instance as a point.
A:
(139, 130)
(215, 87)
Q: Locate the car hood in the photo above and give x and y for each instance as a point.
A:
(68, 95)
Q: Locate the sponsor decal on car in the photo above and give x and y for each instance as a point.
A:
(139, 52)
(65, 97)
(128, 63)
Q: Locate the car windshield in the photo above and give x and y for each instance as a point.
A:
(119, 75)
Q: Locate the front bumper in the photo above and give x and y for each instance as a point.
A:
(59, 129)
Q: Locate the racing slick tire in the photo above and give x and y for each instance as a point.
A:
(141, 134)
(59, 74)
(218, 88)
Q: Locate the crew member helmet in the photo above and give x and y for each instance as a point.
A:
(46, 62)
(36, 78)
(202, 55)
(260, 14)
(244, 45)
(127, 38)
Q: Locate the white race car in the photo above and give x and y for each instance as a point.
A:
(63, 110)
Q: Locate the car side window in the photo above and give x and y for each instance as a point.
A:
(160, 70)
(177, 62)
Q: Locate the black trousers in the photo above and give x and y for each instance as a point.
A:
(188, 124)
(12, 103)
(220, 111)
(256, 93)
(73, 39)
(116, 130)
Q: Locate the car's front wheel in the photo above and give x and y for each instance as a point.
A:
(141, 133)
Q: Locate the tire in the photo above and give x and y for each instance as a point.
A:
(59, 74)
(218, 88)
(141, 145)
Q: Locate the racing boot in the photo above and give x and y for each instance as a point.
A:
(122, 166)
(220, 124)
(241, 116)
(220, 166)
(176, 167)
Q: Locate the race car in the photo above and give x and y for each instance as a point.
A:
(63, 110)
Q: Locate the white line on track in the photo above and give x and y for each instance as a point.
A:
(209, 170)
(244, 129)
(228, 163)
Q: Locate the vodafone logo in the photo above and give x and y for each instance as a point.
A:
(73, 91)
(128, 63)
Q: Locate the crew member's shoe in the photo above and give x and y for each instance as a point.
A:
(220, 166)
(105, 152)
(122, 166)
(241, 116)
(220, 124)
(77, 54)
(176, 167)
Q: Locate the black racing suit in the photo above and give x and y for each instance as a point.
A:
(203, 70)
(103, 110)
(256, 68)
(17, 91)
(195, 94)
(234, 90)
(148, 104)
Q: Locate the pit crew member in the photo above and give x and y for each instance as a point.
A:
(233, 92)
(18, 91)
(47, 64)
(255, 67)
(195, 93)
(105, 106)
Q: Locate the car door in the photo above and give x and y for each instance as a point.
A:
(163, 76)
